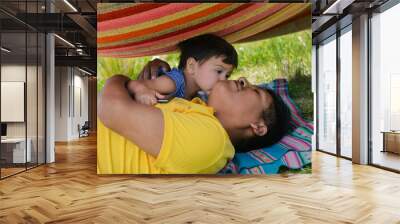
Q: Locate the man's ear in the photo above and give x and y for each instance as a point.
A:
(191, 65)
(259, 128)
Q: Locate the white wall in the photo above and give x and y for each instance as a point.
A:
(61, 103)
(71, 93)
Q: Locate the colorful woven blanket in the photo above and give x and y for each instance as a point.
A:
(141, 29)
(293, 151)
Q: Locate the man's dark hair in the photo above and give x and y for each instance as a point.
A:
(205, 46)
(276, 117)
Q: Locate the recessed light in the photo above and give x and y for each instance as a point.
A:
(70, 5)
(84, 71)
(5, 49)
(64, 40)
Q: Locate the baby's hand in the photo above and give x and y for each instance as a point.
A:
(148, 96)
(143, 94)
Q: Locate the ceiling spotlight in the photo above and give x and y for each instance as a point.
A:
(5, 50)
(70, 5)
(65, 41)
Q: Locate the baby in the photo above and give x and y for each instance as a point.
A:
(204, 60)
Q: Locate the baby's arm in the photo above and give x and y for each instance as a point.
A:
(149, 91)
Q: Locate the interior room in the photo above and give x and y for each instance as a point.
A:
(32, 94)
(48, 160)
(337, 83)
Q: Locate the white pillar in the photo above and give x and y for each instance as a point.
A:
(360, 90)
(50, 93)
(314, 91)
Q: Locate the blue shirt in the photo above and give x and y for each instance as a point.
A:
(178, 77)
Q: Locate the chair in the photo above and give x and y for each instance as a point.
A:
(84, 130)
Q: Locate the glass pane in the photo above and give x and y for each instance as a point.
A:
(327, 96)
(31, 98)
(385, 84)
(41, 99)
(346, 94)
(14, 153)
(23, 60)
(16, 8)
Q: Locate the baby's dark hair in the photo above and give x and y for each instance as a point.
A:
(276, 117)
(205, 46)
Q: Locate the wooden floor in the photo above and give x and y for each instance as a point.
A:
(69, 191)
(8, 171)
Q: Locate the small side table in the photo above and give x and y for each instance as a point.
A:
(391, 141)
(17, 149)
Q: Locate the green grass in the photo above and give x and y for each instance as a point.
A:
(280, 57)
(305, 170)
(287, 56)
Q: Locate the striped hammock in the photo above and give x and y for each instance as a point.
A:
(145, 29)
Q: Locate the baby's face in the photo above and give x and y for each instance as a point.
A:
(208, 73)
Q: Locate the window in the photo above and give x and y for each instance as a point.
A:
(327, 95)
(346, 92)
(385, 85)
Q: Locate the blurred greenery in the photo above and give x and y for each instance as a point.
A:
(287, 56)
(305, 170)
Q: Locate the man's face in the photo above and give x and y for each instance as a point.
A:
(238, 103)
(209, 72)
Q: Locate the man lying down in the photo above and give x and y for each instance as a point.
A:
(181, 136)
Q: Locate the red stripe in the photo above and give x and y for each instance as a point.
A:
(128, 11)
(242, 7)
(142, 54)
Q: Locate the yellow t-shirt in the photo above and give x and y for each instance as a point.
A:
(194, 141)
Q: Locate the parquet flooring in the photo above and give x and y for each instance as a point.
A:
(70, 191)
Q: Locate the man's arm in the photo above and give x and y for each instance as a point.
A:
(139, 123)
